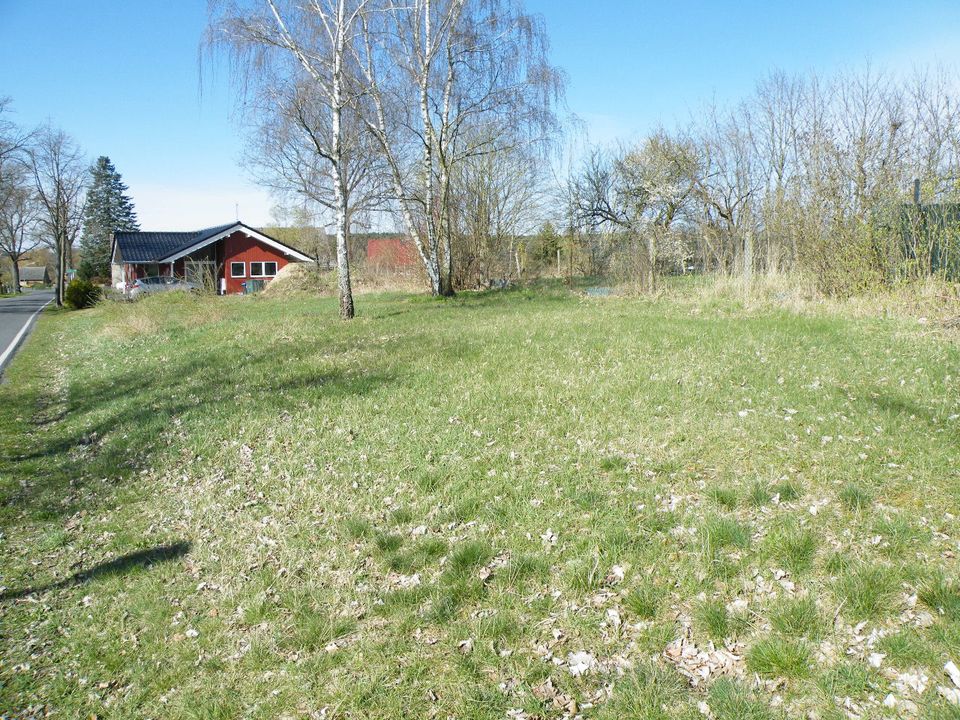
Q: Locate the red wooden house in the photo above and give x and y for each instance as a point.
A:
(235, 256)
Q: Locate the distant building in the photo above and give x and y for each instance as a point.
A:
(32, 276)
(391, 253)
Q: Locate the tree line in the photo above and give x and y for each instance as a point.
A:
(443, 115)
(365, 106)
(851, 179)
(50, 197)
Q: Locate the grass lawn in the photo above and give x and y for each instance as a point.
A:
(524, 504)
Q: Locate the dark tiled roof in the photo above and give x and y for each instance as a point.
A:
(33, 274)
(140, 247)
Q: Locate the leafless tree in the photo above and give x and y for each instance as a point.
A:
(19, 216)
(638, 193)
(299, 57)
(440, 72)
(18, 211)
(496, 200)
(60, 174)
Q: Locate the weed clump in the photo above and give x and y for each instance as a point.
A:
(779, 657)
(719, 623)
(798, 618)
(855, 497)
(866, 591)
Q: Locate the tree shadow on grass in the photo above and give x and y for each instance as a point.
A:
(110, 427)
(896, 408)
(139, 560)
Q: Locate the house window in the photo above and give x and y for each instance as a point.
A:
(239, 269)
(263, 269)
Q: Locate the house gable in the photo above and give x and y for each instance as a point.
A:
(230, 230)
(167, 247)
(240, 257)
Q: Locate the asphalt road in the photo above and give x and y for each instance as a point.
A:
(16, 318)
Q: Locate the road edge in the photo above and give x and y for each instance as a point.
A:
(7, 355)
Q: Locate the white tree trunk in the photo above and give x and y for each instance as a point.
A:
(340, 190)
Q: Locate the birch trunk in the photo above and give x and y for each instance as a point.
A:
(340, 191)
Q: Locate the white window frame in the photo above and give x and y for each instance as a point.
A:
(238, 262)
(276, 269)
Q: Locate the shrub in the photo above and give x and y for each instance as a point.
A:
(81, 294)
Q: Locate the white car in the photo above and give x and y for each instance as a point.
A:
(158, 283)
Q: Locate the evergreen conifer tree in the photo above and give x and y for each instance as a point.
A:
(108, 209)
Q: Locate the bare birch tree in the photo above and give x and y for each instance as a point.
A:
(301, 54)
(437, 72)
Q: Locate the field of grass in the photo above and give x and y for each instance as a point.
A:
(526, 505)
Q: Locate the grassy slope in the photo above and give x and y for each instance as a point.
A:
(361, 498)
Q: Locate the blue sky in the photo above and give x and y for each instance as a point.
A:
(124, 79)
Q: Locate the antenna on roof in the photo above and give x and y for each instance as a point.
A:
(236, 211)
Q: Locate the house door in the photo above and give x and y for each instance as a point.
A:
(202, 273)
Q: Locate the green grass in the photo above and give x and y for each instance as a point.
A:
(650, 691)
(645, 601)
(243, 507)
(718, 623)
(798, 618)
(760, 493)
(725, 497)
(793, 547)
(780, 657)
(854, 680)
(855, 496)
(730, 701)
(942, 596)
(867, 591)
(907, 649)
